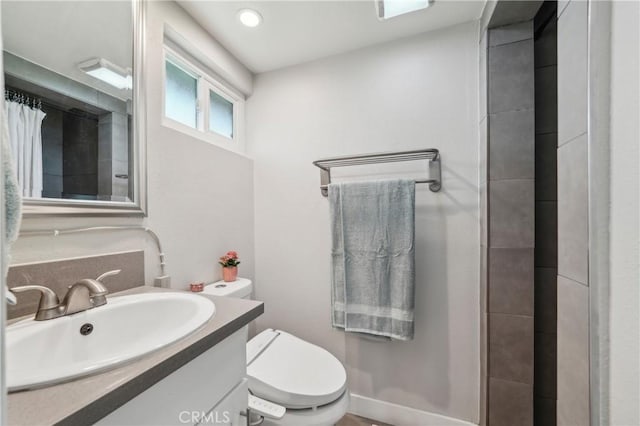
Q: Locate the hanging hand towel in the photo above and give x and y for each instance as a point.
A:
(373, 258)
(12, 198)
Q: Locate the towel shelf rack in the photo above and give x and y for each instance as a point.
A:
(431, 154)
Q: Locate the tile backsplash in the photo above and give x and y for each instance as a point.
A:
(60, 274)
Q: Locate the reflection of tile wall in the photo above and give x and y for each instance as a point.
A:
(52, 152)
(80, 155)
(59, 274)
(510, 227)
(113, 156)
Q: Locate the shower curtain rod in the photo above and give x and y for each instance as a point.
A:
(21, 98)
(431, 154)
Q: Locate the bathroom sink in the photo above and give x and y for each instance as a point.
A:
(41, 353)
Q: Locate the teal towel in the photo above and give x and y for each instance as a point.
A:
(373, 257)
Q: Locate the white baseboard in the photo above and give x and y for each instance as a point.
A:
(399, 415)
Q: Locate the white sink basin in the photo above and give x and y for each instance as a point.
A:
(42, 353)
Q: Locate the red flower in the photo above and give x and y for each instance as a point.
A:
(229, 259)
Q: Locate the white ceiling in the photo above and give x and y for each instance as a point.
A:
(300, 31)
(58, 35)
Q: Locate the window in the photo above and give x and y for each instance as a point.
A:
(197, 103)
(220, 115)
(181, 95)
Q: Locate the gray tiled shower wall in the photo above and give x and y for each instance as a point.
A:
(546, 252)
(508, 193)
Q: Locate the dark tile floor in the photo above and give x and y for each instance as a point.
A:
(353, 420)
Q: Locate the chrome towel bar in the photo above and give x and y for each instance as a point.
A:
(431, 154)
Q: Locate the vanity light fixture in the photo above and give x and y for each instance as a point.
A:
(249, 18)
(108, 72)
(392, 8)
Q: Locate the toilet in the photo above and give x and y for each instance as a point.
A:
(305, 379)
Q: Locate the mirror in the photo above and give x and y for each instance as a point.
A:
(73, 105)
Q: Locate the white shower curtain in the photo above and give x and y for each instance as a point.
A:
(25, 136)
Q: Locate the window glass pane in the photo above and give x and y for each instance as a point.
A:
(220, 115)
(181, 94)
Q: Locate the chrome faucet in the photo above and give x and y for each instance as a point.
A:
(81, 296)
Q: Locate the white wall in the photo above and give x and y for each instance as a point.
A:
(413, 93)
(625, 212)
(200, 197)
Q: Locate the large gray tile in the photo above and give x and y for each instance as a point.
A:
(512, 145)
(544, 411)
(572, 71)
(511, 213)
(80, 184)
(482, 76)
(52, 159)
(547, 234)
(546, 47)
(546, 99)
(511, 33)
(573, 238)
(484, 216)
(546, 300)
(573, 353)
(547, 167)
(511, 280)
(59, 274)
(511, 347)
(484, 274)
(508, 12)
(51, 186)
(544, 382)
(511, 77)
(483, 155)
(510, 403)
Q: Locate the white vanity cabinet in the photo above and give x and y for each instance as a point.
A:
(209, 390)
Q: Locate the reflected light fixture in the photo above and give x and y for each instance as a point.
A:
(249, 18)
(108, 72)
(392, 8)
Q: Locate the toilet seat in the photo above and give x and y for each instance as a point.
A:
(291, 372)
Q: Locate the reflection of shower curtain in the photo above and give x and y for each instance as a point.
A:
(25, 136)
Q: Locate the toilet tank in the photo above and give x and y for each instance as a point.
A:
(240, 288)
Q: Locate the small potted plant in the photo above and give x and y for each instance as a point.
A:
(229, 264)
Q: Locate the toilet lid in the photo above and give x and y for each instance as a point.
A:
(291, 372)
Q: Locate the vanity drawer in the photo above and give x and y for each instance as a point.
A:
(193, 388)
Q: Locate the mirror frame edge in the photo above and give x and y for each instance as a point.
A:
(138, 207)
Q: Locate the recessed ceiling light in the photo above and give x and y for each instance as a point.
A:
(249, 17)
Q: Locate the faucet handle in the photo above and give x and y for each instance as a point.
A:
(108, 274)
(11, 298)
(48, 299)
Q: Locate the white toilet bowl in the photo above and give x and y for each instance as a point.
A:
(304, 378)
